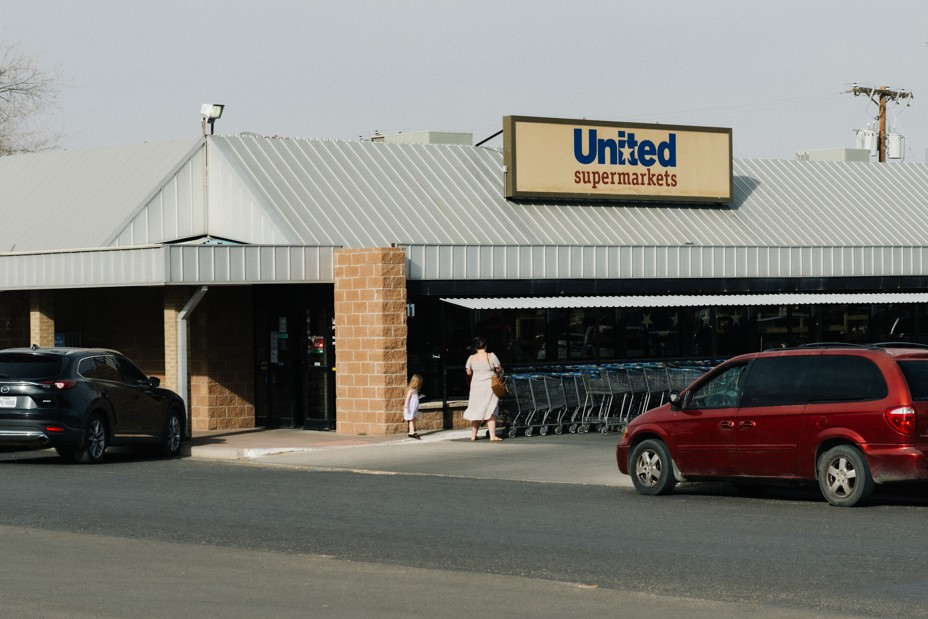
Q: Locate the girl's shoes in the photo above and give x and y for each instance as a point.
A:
(415, 435)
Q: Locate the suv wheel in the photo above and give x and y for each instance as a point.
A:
(172, 435)
(651, 468)
(844, 477)
(95, 442)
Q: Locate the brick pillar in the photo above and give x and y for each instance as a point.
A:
(173, 304)
(42, 318)
(370, 336)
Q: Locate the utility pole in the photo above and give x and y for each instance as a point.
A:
(880, 96)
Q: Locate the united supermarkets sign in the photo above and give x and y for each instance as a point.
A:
(552, 158)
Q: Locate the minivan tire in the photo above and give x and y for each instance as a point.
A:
(844, 477)
(651, 468)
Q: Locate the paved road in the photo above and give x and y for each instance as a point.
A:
(454, 534)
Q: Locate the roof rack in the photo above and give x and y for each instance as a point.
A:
(901, 345)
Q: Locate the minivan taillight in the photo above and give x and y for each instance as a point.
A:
(901, 419)
(60, 384)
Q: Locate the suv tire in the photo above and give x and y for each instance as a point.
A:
(844, 477)
(95, 441)
(651, 468)
(172, 435)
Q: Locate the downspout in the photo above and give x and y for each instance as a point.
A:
(182, 373)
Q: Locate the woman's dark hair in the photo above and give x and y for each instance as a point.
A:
(479, 343)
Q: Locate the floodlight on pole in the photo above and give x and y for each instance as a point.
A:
(210, 112)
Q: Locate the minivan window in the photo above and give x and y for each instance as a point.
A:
(916, 374)
(843, 378)
(719, 391)
(779, 381)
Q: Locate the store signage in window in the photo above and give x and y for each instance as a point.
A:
(555, 158)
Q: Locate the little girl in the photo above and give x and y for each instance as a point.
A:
(411, 406)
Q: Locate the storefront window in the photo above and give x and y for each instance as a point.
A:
(901, 323)
(846, 323)
(784, 326)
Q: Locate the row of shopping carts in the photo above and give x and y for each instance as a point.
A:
(579, 399)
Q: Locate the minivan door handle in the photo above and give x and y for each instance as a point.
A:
(747, 425)
(727, 425)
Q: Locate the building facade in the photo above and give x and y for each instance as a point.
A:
(288, 282)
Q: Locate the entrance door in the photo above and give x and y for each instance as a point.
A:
(295, 357)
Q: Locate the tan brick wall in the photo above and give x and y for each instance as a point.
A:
(222, 360)
(42, 318)
(370, 335)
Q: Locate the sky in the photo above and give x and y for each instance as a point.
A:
(776, 73)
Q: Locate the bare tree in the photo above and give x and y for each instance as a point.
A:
(25, 92)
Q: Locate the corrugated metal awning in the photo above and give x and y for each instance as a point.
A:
(692, 300)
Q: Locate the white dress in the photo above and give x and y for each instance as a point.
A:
(482, 403)
(411, 409)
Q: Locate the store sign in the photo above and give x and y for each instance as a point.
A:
(552, 158)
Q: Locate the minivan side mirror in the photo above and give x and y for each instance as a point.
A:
(154, 382)
(676, 402)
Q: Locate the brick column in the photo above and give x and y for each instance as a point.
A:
(173, 304)
(42, 318)
(370, 339)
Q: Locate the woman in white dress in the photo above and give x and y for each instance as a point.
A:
(482, 405)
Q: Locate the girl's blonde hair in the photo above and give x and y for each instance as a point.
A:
(415, 382)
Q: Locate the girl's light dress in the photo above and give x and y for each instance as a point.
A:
(411, 408)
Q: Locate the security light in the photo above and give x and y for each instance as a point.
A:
(210, 112)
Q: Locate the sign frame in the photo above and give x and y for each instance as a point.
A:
(512, 162)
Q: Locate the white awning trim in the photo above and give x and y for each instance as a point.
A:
(697, 300)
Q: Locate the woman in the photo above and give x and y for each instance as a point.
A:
(482, 405)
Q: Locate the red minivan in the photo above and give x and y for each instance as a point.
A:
(848, 416)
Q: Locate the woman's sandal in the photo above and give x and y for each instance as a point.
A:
(415, 435)
(495, 439)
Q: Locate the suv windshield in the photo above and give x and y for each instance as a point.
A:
(30, 367)
(916, 374)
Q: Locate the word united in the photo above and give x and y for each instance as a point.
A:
(625, 150)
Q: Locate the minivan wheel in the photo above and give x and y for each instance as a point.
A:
(844, 477)
(651, 468)
(172, 436)
(95, 442)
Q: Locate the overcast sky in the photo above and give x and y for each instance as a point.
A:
(773, 71)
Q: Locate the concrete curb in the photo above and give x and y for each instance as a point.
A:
(228, 452)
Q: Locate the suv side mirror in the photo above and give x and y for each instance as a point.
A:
(154, 382)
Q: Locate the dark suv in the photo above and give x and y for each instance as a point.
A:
(846, 416)
(81, 400)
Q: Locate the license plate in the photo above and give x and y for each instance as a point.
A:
(7, 402)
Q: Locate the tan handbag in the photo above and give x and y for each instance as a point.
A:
(498, 386)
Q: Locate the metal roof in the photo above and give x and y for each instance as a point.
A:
(78, 199)
(369, 194)
(444, 204)
(690, 300)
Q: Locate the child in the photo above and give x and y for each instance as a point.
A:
(411, 406)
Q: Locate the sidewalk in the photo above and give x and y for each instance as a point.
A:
(258, 442)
